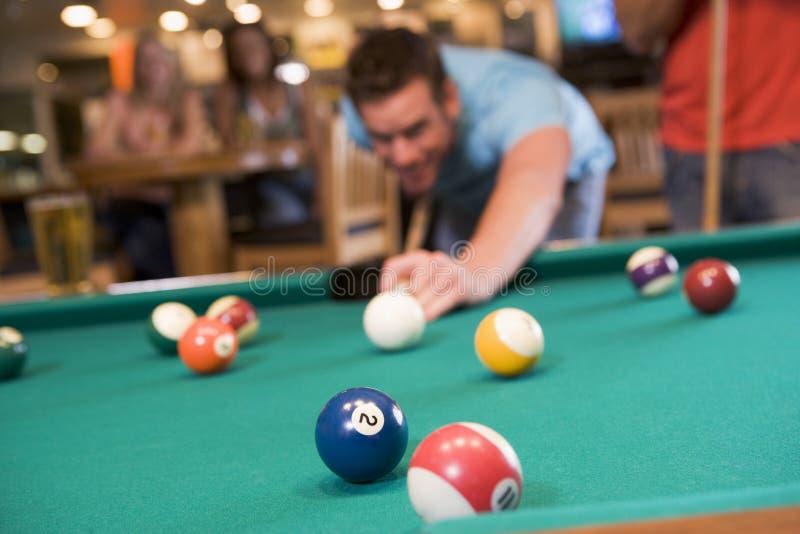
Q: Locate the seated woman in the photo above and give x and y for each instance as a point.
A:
(159, 116)
(253, 105)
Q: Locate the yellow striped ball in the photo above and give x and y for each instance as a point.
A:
(509, 341)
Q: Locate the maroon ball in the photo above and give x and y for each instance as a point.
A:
(710, 284)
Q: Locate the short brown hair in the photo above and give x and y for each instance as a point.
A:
(387, 60)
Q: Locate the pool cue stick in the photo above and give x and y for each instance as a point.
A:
(418, 225)
(715, 118)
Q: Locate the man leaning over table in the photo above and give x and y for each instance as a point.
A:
(510, 154)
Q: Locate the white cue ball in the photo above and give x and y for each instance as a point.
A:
(394, 320)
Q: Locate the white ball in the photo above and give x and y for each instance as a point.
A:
(394, 320)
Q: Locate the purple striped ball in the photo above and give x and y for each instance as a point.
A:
(653, 271)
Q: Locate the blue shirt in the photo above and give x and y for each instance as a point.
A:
(504, 97)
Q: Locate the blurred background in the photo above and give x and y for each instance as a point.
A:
(59, 63)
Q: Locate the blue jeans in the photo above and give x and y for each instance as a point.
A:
(757, 186)
(582, 210)
(141, 229)
(579, 217)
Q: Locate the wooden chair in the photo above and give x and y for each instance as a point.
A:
(358, 200)
(635, 202)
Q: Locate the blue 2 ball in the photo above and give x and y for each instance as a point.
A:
(361, 434)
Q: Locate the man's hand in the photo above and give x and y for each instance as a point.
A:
(526, 199)
(439, 282)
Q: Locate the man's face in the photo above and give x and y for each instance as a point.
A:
(413, 132)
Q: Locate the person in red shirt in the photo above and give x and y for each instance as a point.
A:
(761, 103)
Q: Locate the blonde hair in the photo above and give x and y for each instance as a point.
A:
(139, 92)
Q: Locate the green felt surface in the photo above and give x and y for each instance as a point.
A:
(639, 408)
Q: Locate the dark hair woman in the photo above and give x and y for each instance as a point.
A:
(255, 105)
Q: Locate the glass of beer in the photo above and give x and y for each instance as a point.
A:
(63, 234)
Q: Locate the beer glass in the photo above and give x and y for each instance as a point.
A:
(63, 234)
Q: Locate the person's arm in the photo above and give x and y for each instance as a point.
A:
(526, 198)
(647, 24)
(103, 140)
(194, 127)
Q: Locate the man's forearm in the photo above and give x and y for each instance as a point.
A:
(526, 200)
(511, 230)
(647, 23)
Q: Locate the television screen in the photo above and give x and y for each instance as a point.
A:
(587, 22)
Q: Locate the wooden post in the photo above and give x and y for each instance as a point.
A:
(418, 226)
(199, 223)
(715, 119)
(393, 224)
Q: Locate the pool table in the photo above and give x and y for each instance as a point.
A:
(642, 413)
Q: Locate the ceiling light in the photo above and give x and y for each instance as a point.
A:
(33, 143)
(101, 28)
(233, 4)
(8, 140)
(78, 15)
(247, 14)
(47, 72)
(212, 38)
(173, 21)
(318, 8)
(388, 5)
(292, 72)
